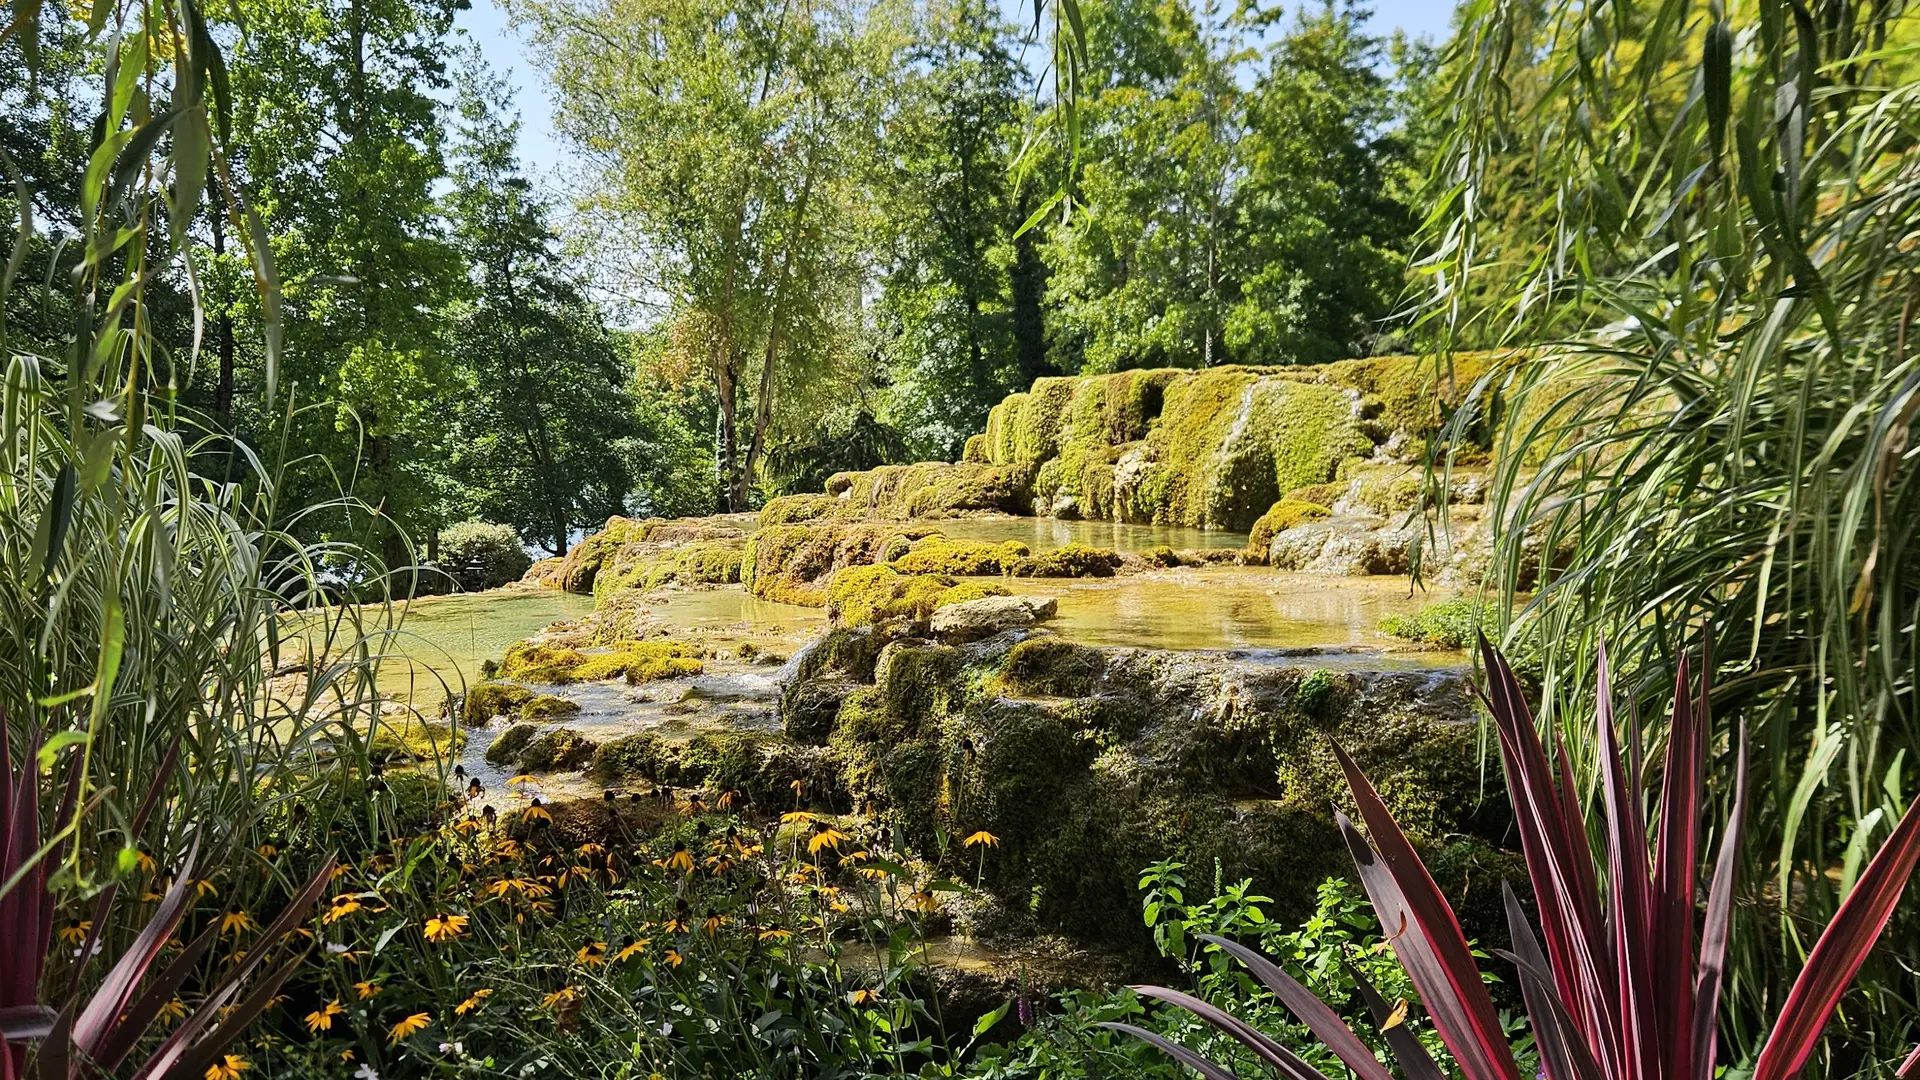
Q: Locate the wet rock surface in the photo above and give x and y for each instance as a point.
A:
(972, 620)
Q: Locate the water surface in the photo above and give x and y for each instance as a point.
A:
(443, 640)
(1045, 534)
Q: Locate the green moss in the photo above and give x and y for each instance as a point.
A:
(1049, 667)
(976, 452)
(583, 563)
(1450, 623)
(1387, 491)
(1412, 395)
(966, 558)
(969, 590)
(548, 707)
(1071, 560)
(490, 699)
(1322, 494)
(860, 595)
(1318, 692)
(787, 509)
(637, 661)
(561, 748)
(792, 563)
(640, 756)
(1280, 517)
(651, 565)
(408, 738)
(505, 750)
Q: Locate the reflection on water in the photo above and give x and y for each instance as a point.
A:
(1045, 534)
(731, 611)
(444, 639)
(1227, 607)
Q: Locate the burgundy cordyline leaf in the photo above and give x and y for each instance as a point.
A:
(1713, 936)
(1325, 1024)
(1553, 838)
(1423, 925)
(1627, 888)
(1909, 1067)
(1174, 1050)
(1840, 951)
(1283, 1060)
(1407, 1050)
(1677, 868)
(1564, 1054)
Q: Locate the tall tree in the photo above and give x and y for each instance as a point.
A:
(542, 404)
(342, 128)
(947, 307)
(729, 132)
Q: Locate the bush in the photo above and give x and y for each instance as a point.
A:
(482, 555)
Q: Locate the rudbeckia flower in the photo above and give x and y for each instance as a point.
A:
(446, 927)
(416, 1022)
(235, 921)
(592, 954)
(321, 1019)
(366, 989)
(474, 1001)
(824, 836)
(229, 1067)
(981, 837)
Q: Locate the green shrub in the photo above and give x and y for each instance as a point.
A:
(482, 554)
(1072, 560)
(1450, 623)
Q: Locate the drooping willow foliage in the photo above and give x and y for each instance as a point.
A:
(1702, 222)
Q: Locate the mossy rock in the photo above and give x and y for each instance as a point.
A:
(1280, 517)
(583, 562)
(505, 749)
(636, 661)
(643, 755)
(962, 558)
(409, 738)
(560, 748)
(788, 509)
(548, 707)
(1070, 560)
(860, 595)
(486, 700)
(791, 563)
(976, 452)
(1049, 667)
(969, 590)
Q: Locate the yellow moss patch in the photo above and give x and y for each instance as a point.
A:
(970, 590)
(869, 594)
(1072, 560)
(409, 738)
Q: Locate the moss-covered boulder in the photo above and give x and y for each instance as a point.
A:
(636, 661)
(505, 748)
(748, 767)
(1280, 517)
(547, 707)
(487, 700)
(1090, 763)
(408, 738)
(1069, 560)
(860, 595)
(965, 558)
(560, 748)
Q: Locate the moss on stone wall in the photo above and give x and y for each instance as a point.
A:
(862, 595)
(1069, 560)
(1280, 517)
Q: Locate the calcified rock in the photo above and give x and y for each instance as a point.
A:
(972, 620)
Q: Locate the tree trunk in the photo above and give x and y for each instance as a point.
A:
(763, 405)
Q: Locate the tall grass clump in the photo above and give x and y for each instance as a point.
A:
(1712, 416)
(172, 654)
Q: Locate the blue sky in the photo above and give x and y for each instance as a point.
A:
(544, 156)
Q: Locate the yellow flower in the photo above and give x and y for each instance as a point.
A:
(981, 837)
(173, 1010)
(343, 906)
(523, 778)
(674, 958)
(416, 1022)
(827, 837)
(203, 887)
(235, 921)
(561, 997)
(76, 932)
(713, 924)
(632, 950)
(446, 927)
(925, 901)
(592, 954)
(535, 813)
(792, 817)
(229, 1067)
(366, 989)
(321, 1019)
(146, 862)
(474, 1001)
(863, 996)
(775, 933)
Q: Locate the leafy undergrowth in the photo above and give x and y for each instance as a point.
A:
(1449, 623)
(678, 936)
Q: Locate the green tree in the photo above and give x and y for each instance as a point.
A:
(541, 403)
(947, 309)
(1322, 234)
(341, 128)
(731, 135)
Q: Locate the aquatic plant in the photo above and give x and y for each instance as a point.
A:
(1628, 985)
